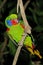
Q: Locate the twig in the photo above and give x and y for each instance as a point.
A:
(26, 4)
(27, 26)
(4, 53)
(4, 45)
(17, 6)
(2, 50)
(2, 4)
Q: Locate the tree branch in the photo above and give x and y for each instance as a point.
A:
(2, 4)
(22, 11)
(2, 50)
(26, 4)
(4, 45)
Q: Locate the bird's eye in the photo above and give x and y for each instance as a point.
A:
(9, 22)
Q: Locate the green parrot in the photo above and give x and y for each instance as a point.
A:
(15, 28)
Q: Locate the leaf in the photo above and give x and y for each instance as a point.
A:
(13, 10)
(12, 47)
(1, 45)
(40, 21)
(38, 29)
(0, 2)
(34, 15)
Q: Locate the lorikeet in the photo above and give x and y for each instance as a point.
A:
(15, 28)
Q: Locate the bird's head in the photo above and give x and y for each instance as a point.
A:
(11, 20)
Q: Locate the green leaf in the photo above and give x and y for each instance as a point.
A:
(12, 47)
(1, 45)
(38, 29)
(0, 2)
(13, 10)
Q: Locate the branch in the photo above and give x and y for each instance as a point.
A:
(27, 26)
(2, 50)
(2, 4)
(26, 4)
(4, 45)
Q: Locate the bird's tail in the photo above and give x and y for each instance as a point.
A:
(34, 52)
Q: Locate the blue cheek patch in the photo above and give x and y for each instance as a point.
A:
(9, 22)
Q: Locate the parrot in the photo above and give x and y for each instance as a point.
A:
(15, 28)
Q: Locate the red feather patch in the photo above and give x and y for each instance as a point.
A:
(13, 22)
(8, 29)
(33, 46)
(22, 26)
